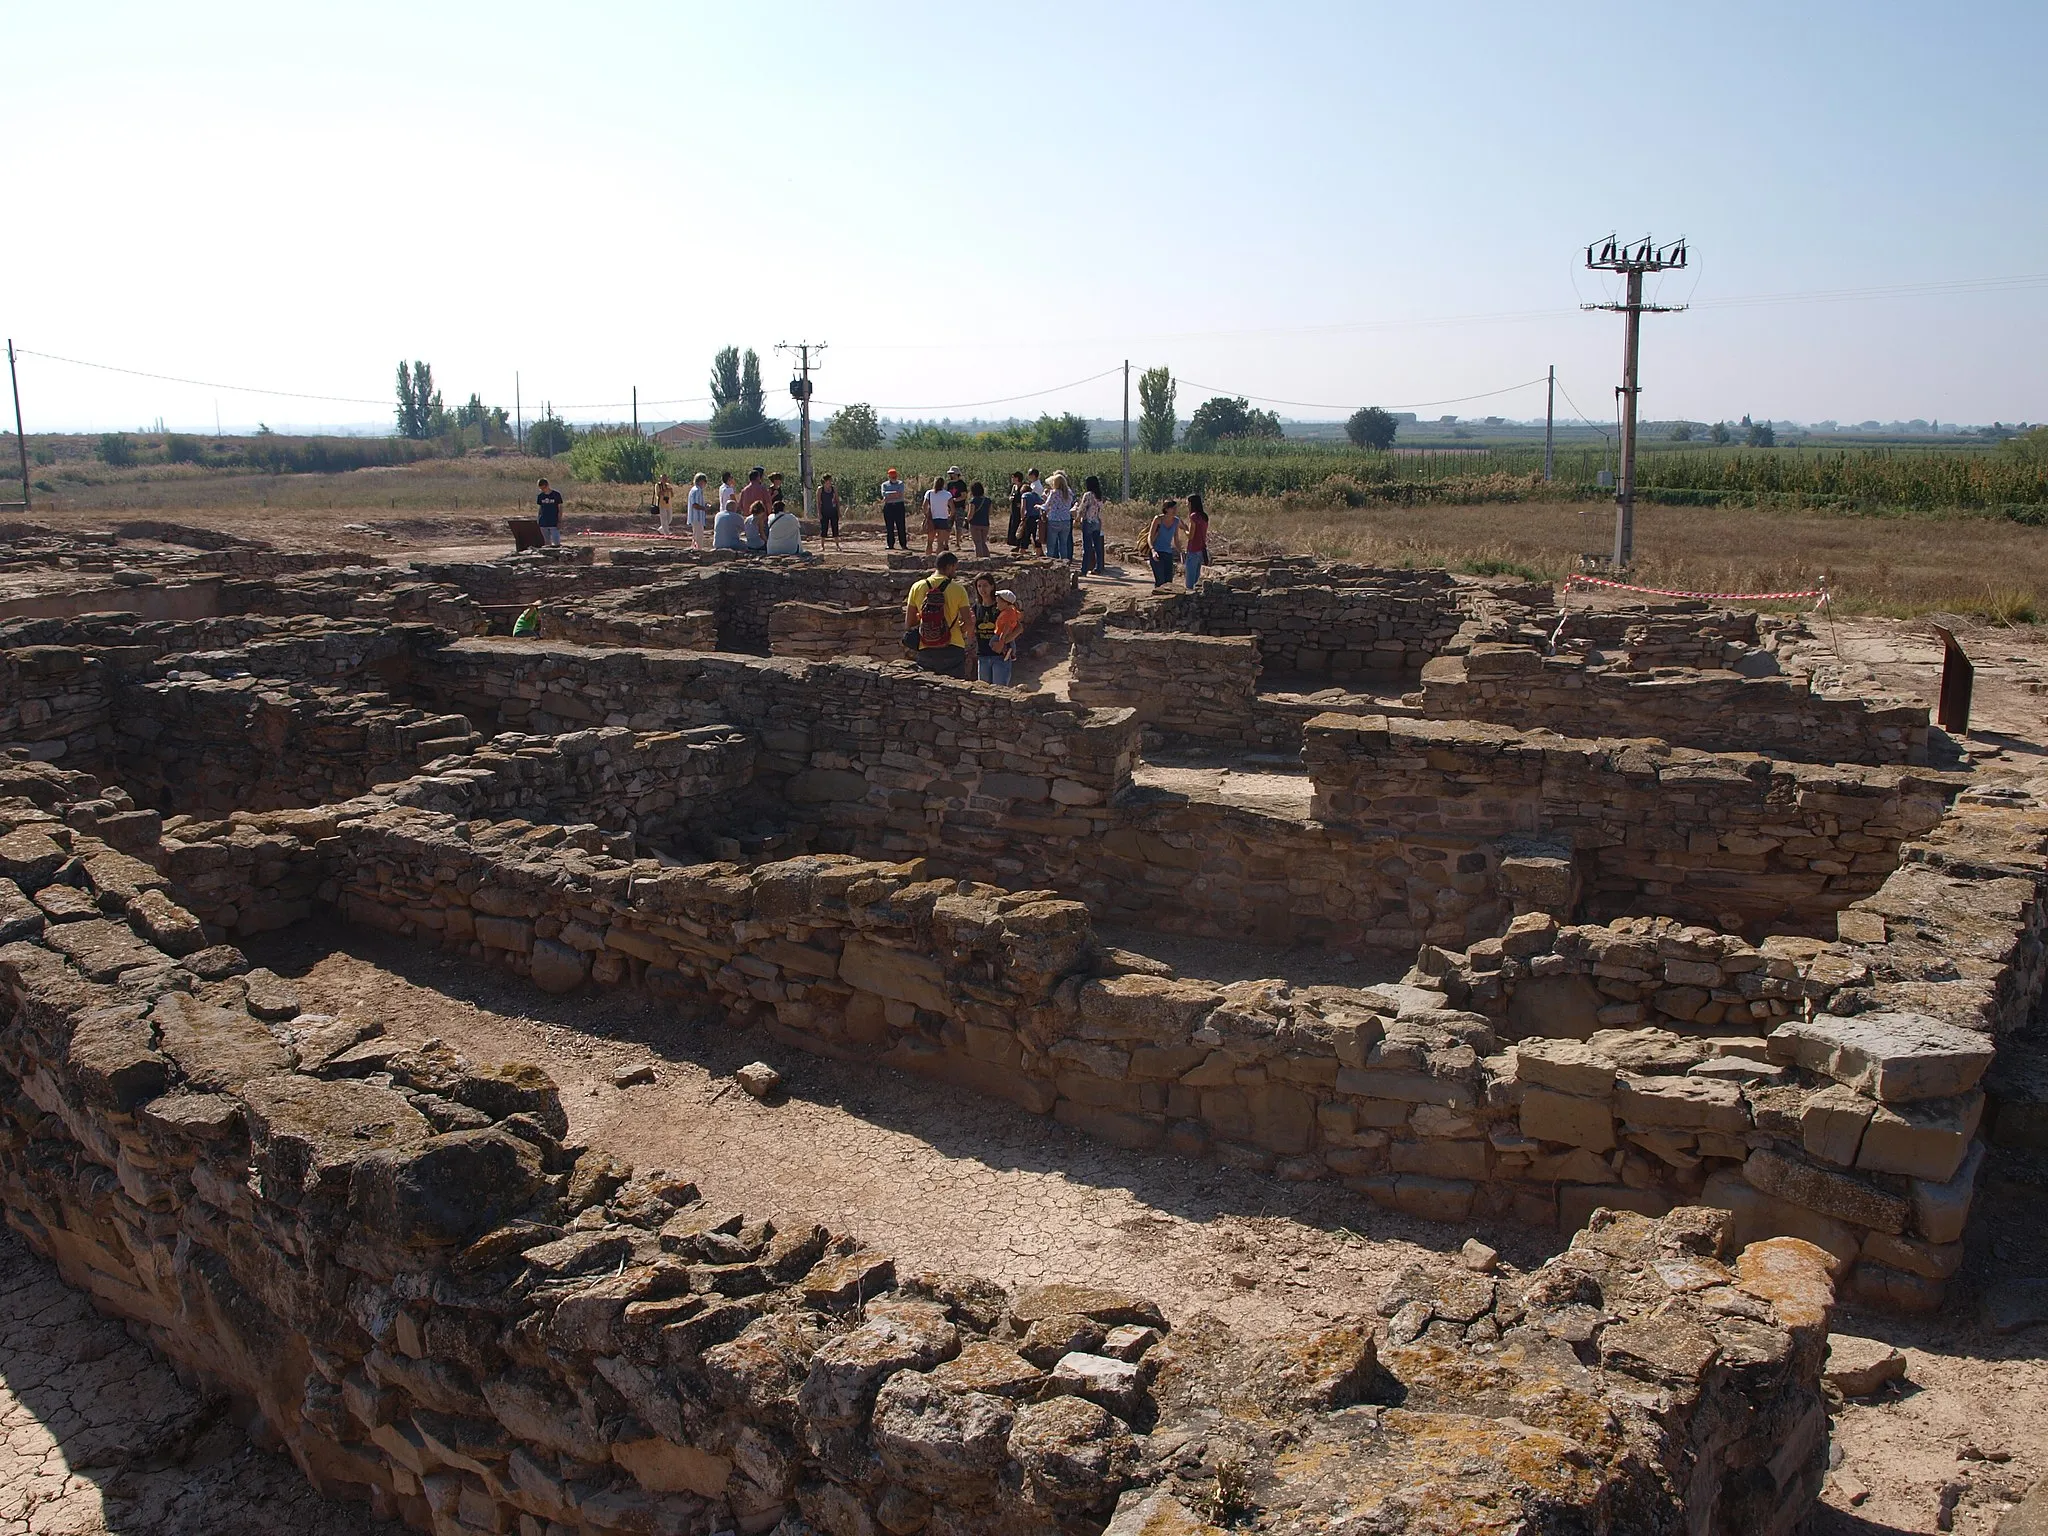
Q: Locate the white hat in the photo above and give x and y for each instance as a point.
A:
(1006, 595)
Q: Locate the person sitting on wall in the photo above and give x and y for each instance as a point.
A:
(936, 618)
(527, 625)
(785, 531)
(728, 528)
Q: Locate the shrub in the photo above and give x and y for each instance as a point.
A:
(1372, 427)
(855, 427)
(549, 436)
(115, 449)
(181, 449)
(618, 458)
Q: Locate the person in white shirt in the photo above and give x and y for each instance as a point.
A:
(727, 494)
(938, 517)
(785, 532)
(694, 509)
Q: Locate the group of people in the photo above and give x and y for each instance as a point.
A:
(1043, 514)
(752, 518)
(949, 629)
(1175, 542)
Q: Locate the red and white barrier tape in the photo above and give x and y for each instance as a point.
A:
(1564, 614)
(593, 533)
(1729, 597)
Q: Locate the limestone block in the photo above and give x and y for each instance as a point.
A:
(1942, 1210)
(1440, 1159)
(895, 973)
(1567, 1118)
(508, 933)
(1684, 1103)
(1832, 1124)
(555, 966)
(1935, 1261)
(1893, 1057)
(1756, 1216)
(1926, 1140)
(1569, 1066)
(1857, 1367)
(1156, 1009)
(1838, 1195)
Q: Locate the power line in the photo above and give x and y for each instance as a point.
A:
(166, 378)
(969, 405)
(1412, 405)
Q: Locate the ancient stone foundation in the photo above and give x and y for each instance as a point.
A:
(1739, 1020)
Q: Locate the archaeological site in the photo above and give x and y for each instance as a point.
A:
(1598, 997)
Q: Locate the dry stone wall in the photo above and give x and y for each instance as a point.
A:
(387, 1255)
(1712, 711)
(1736, 839)
(1183, 685)
(1350, 624)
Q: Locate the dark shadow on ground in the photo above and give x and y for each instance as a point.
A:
(97, 1434)
(996, 1134)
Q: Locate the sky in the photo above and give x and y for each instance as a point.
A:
(979, 207)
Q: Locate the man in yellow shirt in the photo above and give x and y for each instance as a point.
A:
(936, 617)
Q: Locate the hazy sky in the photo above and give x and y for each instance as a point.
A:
(1334, 204)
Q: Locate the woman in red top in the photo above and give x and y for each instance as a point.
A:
(1197, 553)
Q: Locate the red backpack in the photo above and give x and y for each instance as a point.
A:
(933, 628)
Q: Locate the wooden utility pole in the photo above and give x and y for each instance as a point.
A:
(1127, 430)
(1632, 262)
(800, 391)
(636, 410)
(20, 438)
(518, 413)
(1549, 424)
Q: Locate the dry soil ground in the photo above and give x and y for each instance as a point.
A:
(99, 1435)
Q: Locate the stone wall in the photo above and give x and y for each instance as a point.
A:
(1195, 686)
(394, 594)
(1350, 624)
(598, 624)
(1737, 840)
(388, 1258)
(1713, 711)
(897, 762)
(54, 701)
(201, 744)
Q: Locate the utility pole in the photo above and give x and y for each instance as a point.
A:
(1549, 425)
(1127, 430)
(518, 413)
(800, 391)
(636, 410)
(20, 438)
(1631, 262)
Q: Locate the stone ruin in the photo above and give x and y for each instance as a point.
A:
(1741, 1021)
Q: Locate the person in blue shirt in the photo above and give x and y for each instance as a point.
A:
(550, 515)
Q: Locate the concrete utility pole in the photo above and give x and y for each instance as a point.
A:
(518, 413)
(1127, 430)
(20, 438)
(1632, 262)
(800, 391)
(1549, 424)
(636, 410)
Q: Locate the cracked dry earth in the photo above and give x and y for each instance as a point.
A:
(97, 1434)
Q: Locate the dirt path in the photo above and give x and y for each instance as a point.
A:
(941, 1179)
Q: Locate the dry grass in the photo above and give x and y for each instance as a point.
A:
(1898, 567)
(1895, 566)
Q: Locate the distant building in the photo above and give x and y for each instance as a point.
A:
(683, 434)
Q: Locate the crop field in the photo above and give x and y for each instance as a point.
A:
(1894, 531)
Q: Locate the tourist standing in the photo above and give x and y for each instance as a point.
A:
(1162, 543)
(936, 618)
(978, 509)
(1016, 504)
(1197, 553)
(986, 611)
(1059, 519)
(549, 516)
(754, 494)
(1034, 530)
(664, 499)
(1090, 517)
(938, 516)
(728, 493)
(895, 509)
(828, 511)
(694, 508)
